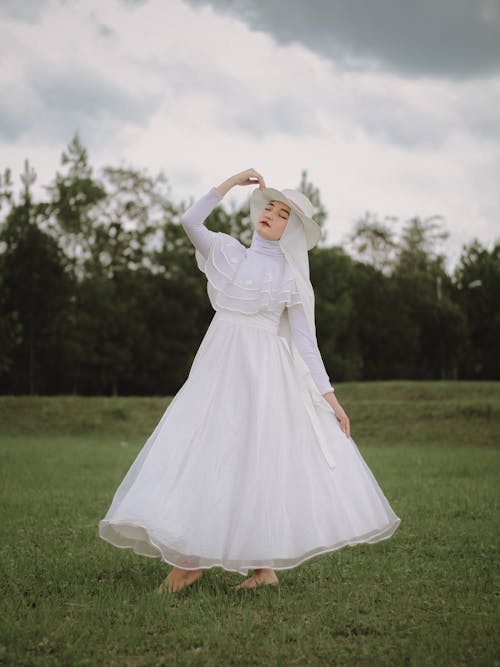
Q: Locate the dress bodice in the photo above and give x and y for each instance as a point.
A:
(248, 280)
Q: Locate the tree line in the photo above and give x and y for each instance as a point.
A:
(100, 293)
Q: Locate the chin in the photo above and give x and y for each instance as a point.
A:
(266, 233)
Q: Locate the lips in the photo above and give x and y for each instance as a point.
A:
(263, 222)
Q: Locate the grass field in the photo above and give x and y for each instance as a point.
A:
(427, 596)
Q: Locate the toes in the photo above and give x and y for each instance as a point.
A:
(176, 581)
(248, 583)
(162, 588)
(255, 580)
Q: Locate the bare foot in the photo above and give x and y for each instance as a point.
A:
(178, 578)
(263, 576)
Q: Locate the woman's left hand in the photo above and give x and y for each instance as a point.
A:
(343, 419)
(339, 411)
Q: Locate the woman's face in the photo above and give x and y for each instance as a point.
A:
(273, 220)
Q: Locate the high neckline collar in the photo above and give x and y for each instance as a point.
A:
(266, 246)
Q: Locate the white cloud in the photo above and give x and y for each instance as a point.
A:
(165, 86)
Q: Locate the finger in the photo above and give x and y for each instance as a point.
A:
(255, 180)
(260, 180)
(254, 174)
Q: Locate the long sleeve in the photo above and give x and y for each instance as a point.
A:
(308, 347)
(192, 220)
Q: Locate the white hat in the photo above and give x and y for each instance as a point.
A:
(299, 204)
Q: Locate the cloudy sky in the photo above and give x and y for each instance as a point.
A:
(392, 106)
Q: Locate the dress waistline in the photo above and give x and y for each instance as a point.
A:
(255, 320)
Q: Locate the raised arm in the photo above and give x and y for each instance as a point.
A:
(192, 220)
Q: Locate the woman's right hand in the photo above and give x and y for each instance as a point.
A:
(247, 177)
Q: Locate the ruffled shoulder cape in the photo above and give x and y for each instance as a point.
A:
(234, 283)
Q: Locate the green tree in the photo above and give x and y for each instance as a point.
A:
(312, 192)
(10, 327)
(71, 211)
(129, 220)
(332, 272)
(425, 292)
(477, 278)
(374, 242)
(36, 292)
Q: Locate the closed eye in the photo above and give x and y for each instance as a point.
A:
(270, 207)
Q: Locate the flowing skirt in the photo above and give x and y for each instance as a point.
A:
(233, 476)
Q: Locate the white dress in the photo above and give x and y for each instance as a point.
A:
(233, 474)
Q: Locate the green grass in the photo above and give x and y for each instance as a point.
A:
(427, 596)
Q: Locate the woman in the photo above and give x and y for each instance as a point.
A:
(252, 464)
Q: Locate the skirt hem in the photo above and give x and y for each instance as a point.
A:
(182, 560)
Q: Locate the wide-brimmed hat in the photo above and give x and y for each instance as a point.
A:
(299, 204)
